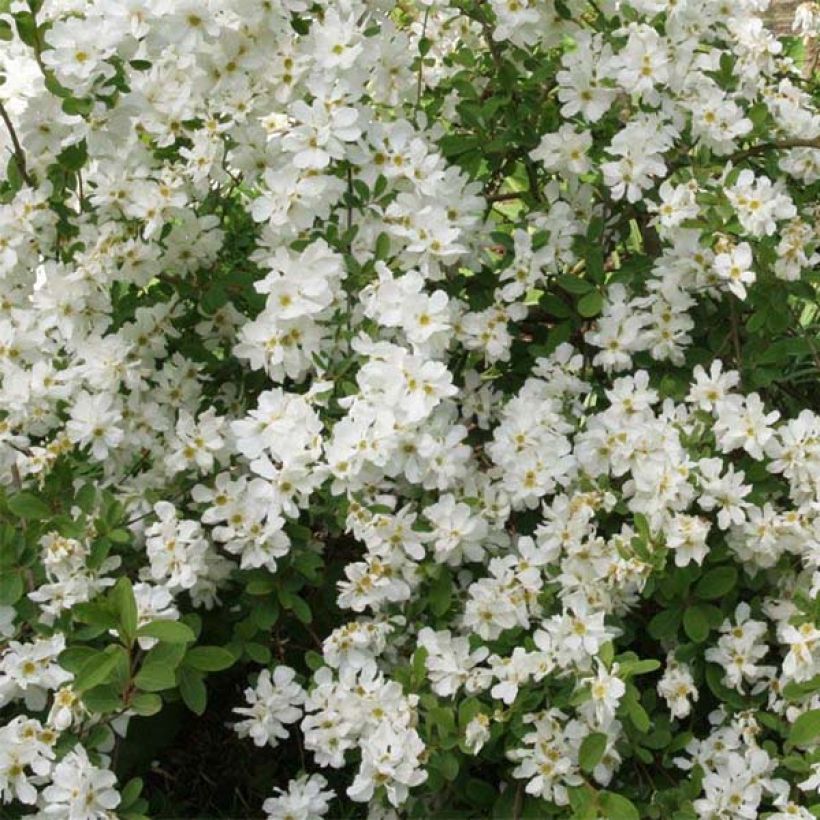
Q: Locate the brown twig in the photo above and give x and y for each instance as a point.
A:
(19, 155)
(781, 145)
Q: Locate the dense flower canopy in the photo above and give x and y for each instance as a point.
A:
(440, 373)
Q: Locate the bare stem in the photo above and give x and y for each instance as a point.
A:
(19, 155)
(781, 145)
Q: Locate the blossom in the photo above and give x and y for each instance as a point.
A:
(275, 701)
(80, 789)
(735, 268)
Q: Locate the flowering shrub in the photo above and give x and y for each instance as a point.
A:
(427, 389)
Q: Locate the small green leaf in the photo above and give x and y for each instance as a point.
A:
(592, 750)
(102, 699)
(696, 624)
(29, 506)
(665, 624)
(618, 807)
(637, 714)
(122, 596)
(146, 704)
(806, 729)
(168, 631)
(98, 613)
(572, 284)
(595, 263)
(298, 606)
(382, 246)
(448, 765)
(95, 671)
(591, 304)
(130, 793)
(209, 658)
(441, 592)
(716, 583)
(11, 587)
(628, 669)
(73, 658)
(193, 691)
(155, 677)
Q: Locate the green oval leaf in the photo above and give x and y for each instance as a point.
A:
(716, 583)
(592, 750)
(193, 691)
(806, 729)
(146, 704)
(696, 624)
(95, 671)
(591, 304)
(209, 658)
(29, 506)
(167, 631)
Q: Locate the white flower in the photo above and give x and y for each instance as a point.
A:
(80, 790)
(304, 799)
(275, 701)
(94, 420)
(734, 267)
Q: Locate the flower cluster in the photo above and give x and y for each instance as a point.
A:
(444, 367)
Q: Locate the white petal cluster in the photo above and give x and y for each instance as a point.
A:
(263, 285)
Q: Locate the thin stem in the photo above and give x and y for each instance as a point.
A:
(736, 338)
(19, 155)
(420, 73)
(781, 145)
(507, 195)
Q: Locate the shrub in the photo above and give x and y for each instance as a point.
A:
(411, 408)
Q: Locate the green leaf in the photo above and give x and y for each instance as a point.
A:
(441, 592)
(168, 631)
(27, 28)
(298, 606)
(130, 793)
(11, 587)
(447, 764)
(95, 671)
(102, 699)
(637, 714)
(419, 665)
(73, 157)
(806, 729)
(696, 623)
(155, 677)
(591, 304)
(259, 653)
(73, 658)
(665, 624)
(97, 612)
(595, 264)
(572, 284)
(382, 246)
(146, 704)
(29, 506)
(260, 586)
(628, 669)
(193, 691)
(716, 583)
(122, 596)
(618, 807)
(592, 750)
(209, 658)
